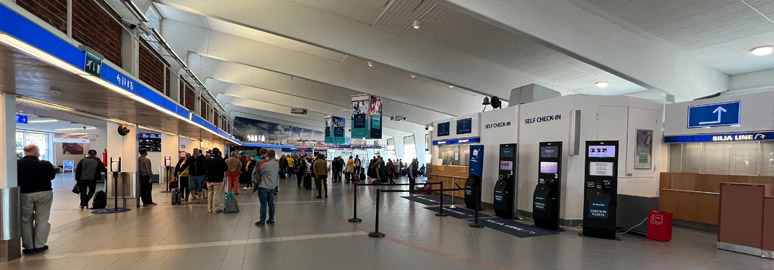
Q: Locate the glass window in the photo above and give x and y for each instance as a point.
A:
(40, 140)
(716, 158)
(767, 158)
(744, 158)
(691, 157)
(455, 154)
(19, 145)
(675, 157)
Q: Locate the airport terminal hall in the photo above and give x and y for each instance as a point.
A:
(387, 134)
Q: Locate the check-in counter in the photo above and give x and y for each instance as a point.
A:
(746, 223)
(449, 174)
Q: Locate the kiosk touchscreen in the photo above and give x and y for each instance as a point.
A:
(601, 189)
(506, 181)
(545, 201)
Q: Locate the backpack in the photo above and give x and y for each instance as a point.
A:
(100, 200)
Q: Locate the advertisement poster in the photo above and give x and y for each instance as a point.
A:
(643, 157)
(339, 124)
(72, 148)
(328, 129)
(274, 132)
(376, 118)
(476, 160)
(360, 111)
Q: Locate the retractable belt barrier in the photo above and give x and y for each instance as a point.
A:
(377, 234)
(354, 208)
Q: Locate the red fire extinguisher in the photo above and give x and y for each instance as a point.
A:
(104, 158)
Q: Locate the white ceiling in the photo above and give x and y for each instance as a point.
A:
(717, 33)
(73, 124)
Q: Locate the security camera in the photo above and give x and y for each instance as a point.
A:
(427, 128)
(84, 127)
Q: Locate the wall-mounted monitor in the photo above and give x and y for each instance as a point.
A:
(604, 151)
(549, 151)
(443, 129)
(465, 126)
(549, 167)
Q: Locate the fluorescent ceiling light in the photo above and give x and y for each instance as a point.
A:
(762, 50)
(37, 53)
(42, 121)
(602, 84)
(40, 103)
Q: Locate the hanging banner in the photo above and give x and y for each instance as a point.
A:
(361, 106)
(329, 129)
(338, 130)
(376, 118)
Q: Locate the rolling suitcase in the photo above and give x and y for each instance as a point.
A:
(100, 200)
(307, 181)
(176, 196)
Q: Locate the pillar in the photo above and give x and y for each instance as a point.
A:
(126, 148)
(10, 221)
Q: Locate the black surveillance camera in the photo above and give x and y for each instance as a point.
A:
(427, 128)
(84, 127)
(123, 130)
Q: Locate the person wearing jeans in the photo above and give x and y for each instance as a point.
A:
(146, 178)
(195, 166)
(234, 167)
(34, 178)
(266, 177)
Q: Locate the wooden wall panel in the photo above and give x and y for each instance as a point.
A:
(768, 224)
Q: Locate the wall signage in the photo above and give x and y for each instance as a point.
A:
(459, 141)
(476, 160)
(546, 118)
(22, 119)
(497, 125)
(443, 129)
(93, 64)
(598, 209)
(732, 137)
(540, 203)
(714, 115)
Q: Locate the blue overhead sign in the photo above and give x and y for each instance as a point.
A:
(714, 115)
(459, 141)
(21, 119)
(730, 137)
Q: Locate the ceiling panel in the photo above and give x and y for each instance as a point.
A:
(364, 11)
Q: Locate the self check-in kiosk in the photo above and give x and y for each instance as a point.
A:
(601, 189)
(545, 200)
(504, 188)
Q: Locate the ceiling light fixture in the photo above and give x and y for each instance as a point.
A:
(43, 121)
(417, 24)
(451, 86)
(762, 50)
(370, 64)
(602, 84)
(413, 76)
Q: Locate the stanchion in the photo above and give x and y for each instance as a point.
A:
(354, 210)
(440, 210)
(478, 205)
(376, 233)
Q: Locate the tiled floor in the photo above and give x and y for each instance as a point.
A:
(314, 234)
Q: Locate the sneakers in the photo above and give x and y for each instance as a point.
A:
(318, 197)
(245, 188)
(270, 222)
(259, 224)
(35, 250)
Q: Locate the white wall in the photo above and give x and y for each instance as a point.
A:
(188, 145)
(759, 80)
(602, 118)
(491, 137)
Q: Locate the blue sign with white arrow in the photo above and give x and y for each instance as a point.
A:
(714, 115)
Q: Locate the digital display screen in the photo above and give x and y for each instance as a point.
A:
(506, 165)
(464, 126)
(549, 167)
(549, 151)
(443, 129)
(602, 151)
(506, 152)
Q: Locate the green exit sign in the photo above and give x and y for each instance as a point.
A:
(93, 64)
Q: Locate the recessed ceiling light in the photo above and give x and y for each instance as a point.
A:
(370, 64)
(417, 24)
(602, 84)
(413, 76)
(762, 50)
(451, 86)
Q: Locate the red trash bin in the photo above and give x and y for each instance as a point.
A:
(659, 226)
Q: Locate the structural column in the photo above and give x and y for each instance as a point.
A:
(10, 219)
(126, 148)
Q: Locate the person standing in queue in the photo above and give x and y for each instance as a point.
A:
(34, 179)
(234, 168)
(266, 178)
(300, 169)
(196, 174)
(320, 169)
(215, 168)
(358, 165)
(88, 171)
(181, 171)
(413, 171)
(146, 178)
(350, 169)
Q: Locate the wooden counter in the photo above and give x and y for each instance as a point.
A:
(447, 175)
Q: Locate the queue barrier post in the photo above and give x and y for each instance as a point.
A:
(376, 233)
(354, 206)
(354, 218)
(475, 223)
(440, 210)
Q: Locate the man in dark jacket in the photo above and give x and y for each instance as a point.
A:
(195, 165)
(88, 171)
(215, 168)
(34, 178)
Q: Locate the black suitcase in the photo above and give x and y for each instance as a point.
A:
(100, 200)
(307, 181)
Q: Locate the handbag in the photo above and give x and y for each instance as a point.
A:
(77, 188)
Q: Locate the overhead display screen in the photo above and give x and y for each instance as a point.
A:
(549, 167)
(443, 129)
(506, 165)
(465, 126)
(549, 151)
(602, 151)
(506, 152)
